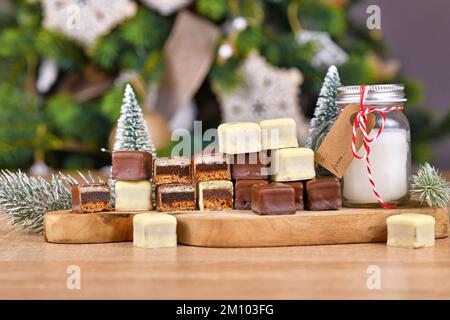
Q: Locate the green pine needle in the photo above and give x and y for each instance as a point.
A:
(430, 186)
(26, 199)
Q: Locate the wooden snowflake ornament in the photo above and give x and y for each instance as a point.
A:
(86, 20)
(268, 92)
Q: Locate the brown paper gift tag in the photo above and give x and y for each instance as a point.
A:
(189, 52)
(335, 152)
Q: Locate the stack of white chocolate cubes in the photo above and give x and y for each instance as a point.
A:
(290, 162)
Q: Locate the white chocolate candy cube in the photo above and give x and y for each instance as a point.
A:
(154, 230)
(239, 137)
(133, 195)
(292, 164)
(278, 133)
(410, 230)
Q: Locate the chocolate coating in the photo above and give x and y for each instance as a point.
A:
(323, 194)
(243, 193)
(273, 199)
(173, 170)
(299, 194)
(250, 165)
(131, 165)
(211, 167)
(95, 196)
(177, 196)
(217, 194)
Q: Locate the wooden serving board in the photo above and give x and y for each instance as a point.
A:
(246, 229)
(241, 228)
(68, 227)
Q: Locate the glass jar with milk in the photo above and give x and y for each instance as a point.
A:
(390, 154)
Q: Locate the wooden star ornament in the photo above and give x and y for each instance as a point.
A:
(268, 92)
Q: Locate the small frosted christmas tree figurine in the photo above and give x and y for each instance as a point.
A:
(132, 133)
(326, 110)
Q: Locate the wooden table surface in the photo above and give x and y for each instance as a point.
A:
(30, 268)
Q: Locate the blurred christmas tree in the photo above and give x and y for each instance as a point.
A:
(60, 90)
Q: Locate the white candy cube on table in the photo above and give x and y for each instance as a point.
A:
(410, 231)
(154, 230)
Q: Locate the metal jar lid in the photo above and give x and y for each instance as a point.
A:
(379, 93)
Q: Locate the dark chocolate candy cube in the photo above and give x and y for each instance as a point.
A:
(323, 194)
(250, 165)
(273, 199)
(299, 192)
(131, 165)
(243, 193)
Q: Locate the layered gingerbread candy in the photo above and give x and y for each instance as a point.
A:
(172, 170)
(292, 164)
(239, 137)
(243, 193)
(211, 166)
(90, 198)
(278, 133)
(175, 197)
(273, 199)
(131, 165)
(215, 195)
(323, 194)
(250, 165)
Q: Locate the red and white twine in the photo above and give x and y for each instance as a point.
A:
(361, 123)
